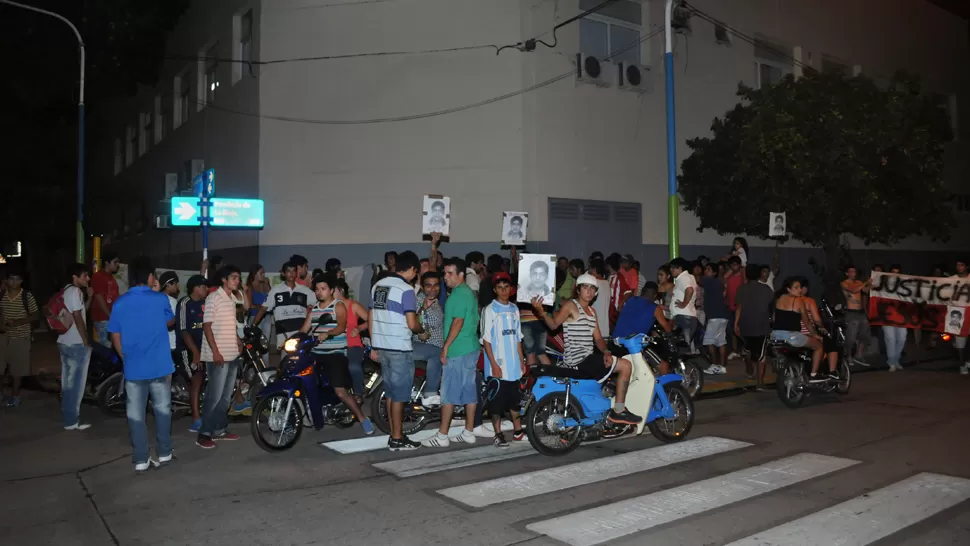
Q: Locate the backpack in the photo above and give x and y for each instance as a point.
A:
(54, 313)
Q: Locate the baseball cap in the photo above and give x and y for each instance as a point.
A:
(168, 278)
(195, 280)
(502, 276)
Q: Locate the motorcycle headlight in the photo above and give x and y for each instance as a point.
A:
(290, 345)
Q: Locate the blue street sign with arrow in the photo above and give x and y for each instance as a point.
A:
(204, 182)
(224, 212)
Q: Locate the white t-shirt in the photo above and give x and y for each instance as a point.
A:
(171, 333)
(73, 301)
(684, 281)
(740, 253)
(771, 280)
(471, 279)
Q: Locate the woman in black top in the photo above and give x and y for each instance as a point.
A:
(789, 314)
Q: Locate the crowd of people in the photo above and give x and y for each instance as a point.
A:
(471, 331)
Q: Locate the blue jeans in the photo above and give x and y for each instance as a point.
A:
(432, 355)
(218, 395)
(895, 340)
(398, 370)
(355, 362)
(137, 393)
(101, 328)
(458, 380)
(688, 326)
(74, 376)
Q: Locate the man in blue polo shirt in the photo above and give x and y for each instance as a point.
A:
(139, 326)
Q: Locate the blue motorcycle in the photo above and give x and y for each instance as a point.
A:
(300, 397)
(568, 410)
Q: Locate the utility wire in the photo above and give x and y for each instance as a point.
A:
(530, 44)
(550, 81)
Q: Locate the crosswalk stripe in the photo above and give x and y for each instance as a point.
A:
(452, 459)
(598, 525)
(870, 517)
(549, 480)
(373, 443)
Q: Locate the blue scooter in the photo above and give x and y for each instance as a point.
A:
(301, 396)
(568, 410)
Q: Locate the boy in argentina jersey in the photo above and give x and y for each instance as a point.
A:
(504, 361)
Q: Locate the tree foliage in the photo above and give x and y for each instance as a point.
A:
(838, 154)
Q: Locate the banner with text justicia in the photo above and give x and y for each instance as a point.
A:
(929, 303)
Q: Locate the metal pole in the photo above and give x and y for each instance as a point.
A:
(80, 126)
(673, 204)
(204, 211)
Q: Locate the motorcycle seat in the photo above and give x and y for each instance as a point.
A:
(557, 371)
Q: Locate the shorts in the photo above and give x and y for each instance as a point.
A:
(502, 396)
(756, 346)
(398, 370)
(592, 367)
(716, 332)
(15, 356)
(458, 380)
(534, 338)
(795, 339)
(336, 368)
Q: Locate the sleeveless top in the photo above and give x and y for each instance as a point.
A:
(578, 337)
(352, 322)
(788, 320)
(332, 345)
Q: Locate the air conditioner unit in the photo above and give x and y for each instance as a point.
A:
(163, 221)
(589, 69)
(680, 20)
(635, 77)
(721, 35)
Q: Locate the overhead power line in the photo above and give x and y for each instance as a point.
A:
(545, 83)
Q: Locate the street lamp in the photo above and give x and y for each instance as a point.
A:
(80, 127)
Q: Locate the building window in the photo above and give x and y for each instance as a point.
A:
(182, 90)
(131, 144)
(242, 31)
(772, 62)
(119, 156)
(948, 103)
(612, 32)
(164, 107)
(830, 64)
(210, 77)
(147, 131)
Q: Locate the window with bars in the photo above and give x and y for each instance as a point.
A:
(147, 131)
(612, 32)
(772, 62)
(165, 121)
(211, 76)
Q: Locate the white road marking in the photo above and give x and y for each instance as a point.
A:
(870, 517)
(449, 459)
(619, 519)
(530, 484)
(373, 443)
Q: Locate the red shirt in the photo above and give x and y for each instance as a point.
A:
(105, 284)
(733, 283)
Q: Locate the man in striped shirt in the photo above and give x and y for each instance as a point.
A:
(221, 348)
(504, 360)
(19, 309)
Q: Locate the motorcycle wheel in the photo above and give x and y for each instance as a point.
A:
(412, 422)
(693, 377)
(346, 419)
(288, 428)
(845, 378)
(676, 429)
(110, 401)
(790, 384)
(544, 417)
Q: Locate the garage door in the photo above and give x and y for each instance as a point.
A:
(578, 227)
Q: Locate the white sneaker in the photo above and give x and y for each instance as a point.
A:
(965, 369)
(482, 432)
(142, 467)
(732, 356)
(431, 401)
(438, 440)
(78, 426)
(893, 368)
(167, 458)
(464, 437)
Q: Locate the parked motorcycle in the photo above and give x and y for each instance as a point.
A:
(112, 400)
(793, 365)
(300, 397)
(254, 375)
(104, 364)
(673, 348)
(568, 411)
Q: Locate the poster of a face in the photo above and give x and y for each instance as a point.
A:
(436, 215)
(777, 224)
(954, 320)
(536, 278)
(514, 228)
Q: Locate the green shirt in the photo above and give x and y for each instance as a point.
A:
(461, 303)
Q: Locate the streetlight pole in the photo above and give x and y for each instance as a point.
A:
(80, 126)
(673, 205)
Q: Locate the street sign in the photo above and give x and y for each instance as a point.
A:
(225, 212)
(206, 180)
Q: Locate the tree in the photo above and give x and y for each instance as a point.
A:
(838, 154)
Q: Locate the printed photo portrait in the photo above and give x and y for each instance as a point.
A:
(436, 215)
(954, 320)
(514, 228)
(777, 224)
(537, 276)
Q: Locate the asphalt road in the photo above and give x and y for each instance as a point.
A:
(886, 464)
